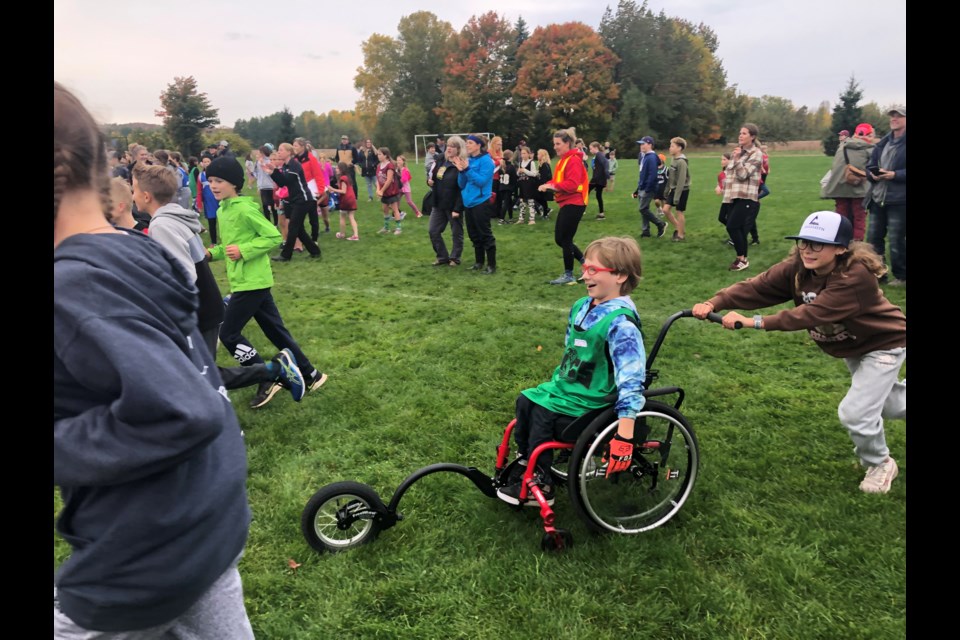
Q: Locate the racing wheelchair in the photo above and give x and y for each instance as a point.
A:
(660, 478)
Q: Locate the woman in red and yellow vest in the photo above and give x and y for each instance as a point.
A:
(571, 188)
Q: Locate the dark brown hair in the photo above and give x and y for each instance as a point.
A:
(79, 152)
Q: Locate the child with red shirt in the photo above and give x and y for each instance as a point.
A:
(348, 201)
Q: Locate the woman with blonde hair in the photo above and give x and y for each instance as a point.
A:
(571, 187)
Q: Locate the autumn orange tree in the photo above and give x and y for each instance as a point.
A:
(566, 72)
(481, 71)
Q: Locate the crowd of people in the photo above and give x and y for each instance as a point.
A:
(132, 277)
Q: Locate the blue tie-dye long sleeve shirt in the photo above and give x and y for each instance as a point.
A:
(626, 350)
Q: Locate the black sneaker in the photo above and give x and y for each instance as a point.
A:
(645, 235)
(662, 229)
(755, 241)
(511, 494)
(477, 266)
(265, 393)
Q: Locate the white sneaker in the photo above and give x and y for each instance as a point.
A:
(880, 477)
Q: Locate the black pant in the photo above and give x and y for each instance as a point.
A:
(296, 231)
(481, 235)
(438, 224)
(541, 199)
(743, 213)
(568, 219)
(266, 201)
(505, 203)
(236, 377)
(314, 220)
(536, 425)
(598, 188)
(212, 226)
(260, 306)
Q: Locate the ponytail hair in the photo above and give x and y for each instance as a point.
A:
(569, 136)
(79, 151)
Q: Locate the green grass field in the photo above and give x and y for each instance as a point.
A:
(425, 363)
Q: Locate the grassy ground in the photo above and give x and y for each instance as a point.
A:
(425, 364)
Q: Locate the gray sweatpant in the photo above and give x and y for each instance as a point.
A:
(219, 614)
(875, 393)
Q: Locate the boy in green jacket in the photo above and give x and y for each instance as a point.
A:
(246, 238)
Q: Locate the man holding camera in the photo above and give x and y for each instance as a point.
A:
(887, 197)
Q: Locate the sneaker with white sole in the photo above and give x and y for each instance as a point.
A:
(511, 493)
(317, 381)
(265, 393)
(566, 278)
(739, 265)
(880, 477)
(289, 375)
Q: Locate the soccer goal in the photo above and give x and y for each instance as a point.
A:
(424, 138)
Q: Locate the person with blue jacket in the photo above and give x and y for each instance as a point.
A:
(476, 184)
(887, 197)
(647, 188)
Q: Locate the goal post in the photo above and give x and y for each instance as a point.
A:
(429, 137)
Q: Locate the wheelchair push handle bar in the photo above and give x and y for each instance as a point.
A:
(712, 317)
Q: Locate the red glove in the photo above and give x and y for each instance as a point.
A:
(618, 454)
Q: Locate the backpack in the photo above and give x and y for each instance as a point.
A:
(851, 175)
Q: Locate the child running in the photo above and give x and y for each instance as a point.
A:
(347, 202)
(246, 240)
(405, 178)
(833, 285)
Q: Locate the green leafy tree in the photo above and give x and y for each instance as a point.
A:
(631, 122)
(846, 115)
(778, 119)
(186, 113)
(873, 114)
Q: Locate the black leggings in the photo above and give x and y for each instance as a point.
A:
(742, 215)
(266, 201)
(568, 219)
(598, 188)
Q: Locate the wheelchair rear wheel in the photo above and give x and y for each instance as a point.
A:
(661, 476)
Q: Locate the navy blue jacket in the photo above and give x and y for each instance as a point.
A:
(147, 450)
(648, 173)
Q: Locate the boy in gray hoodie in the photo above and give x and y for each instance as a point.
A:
(177, 230)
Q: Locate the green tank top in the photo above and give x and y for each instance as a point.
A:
(585, 375)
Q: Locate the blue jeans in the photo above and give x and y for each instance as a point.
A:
(889, 221)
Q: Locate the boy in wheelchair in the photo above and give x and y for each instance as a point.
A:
(604, 355)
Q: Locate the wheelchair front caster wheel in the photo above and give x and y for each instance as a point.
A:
(557, 540)
(341, 516)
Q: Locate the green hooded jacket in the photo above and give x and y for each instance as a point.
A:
(240, 222)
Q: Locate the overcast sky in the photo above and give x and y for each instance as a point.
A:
(253, 57)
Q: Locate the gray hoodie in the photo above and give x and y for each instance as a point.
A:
(177, 229)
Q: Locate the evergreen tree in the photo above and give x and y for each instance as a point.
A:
(186, 113)
(287, 131)
(846, 115)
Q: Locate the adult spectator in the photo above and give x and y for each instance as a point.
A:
(368, 167)
(348, 153)
(848, 189)
(317, 182)
(476, 185)
(447, 204)
(571, 188)
(647, 188)
(223, 150)
(741, 190)
(287, 172)
(844, 135)
(887, 196)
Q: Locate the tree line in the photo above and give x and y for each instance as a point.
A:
(639, 73)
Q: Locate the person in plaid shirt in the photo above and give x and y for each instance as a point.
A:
(741, 191)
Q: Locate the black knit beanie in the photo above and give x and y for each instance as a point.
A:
(227, 169)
